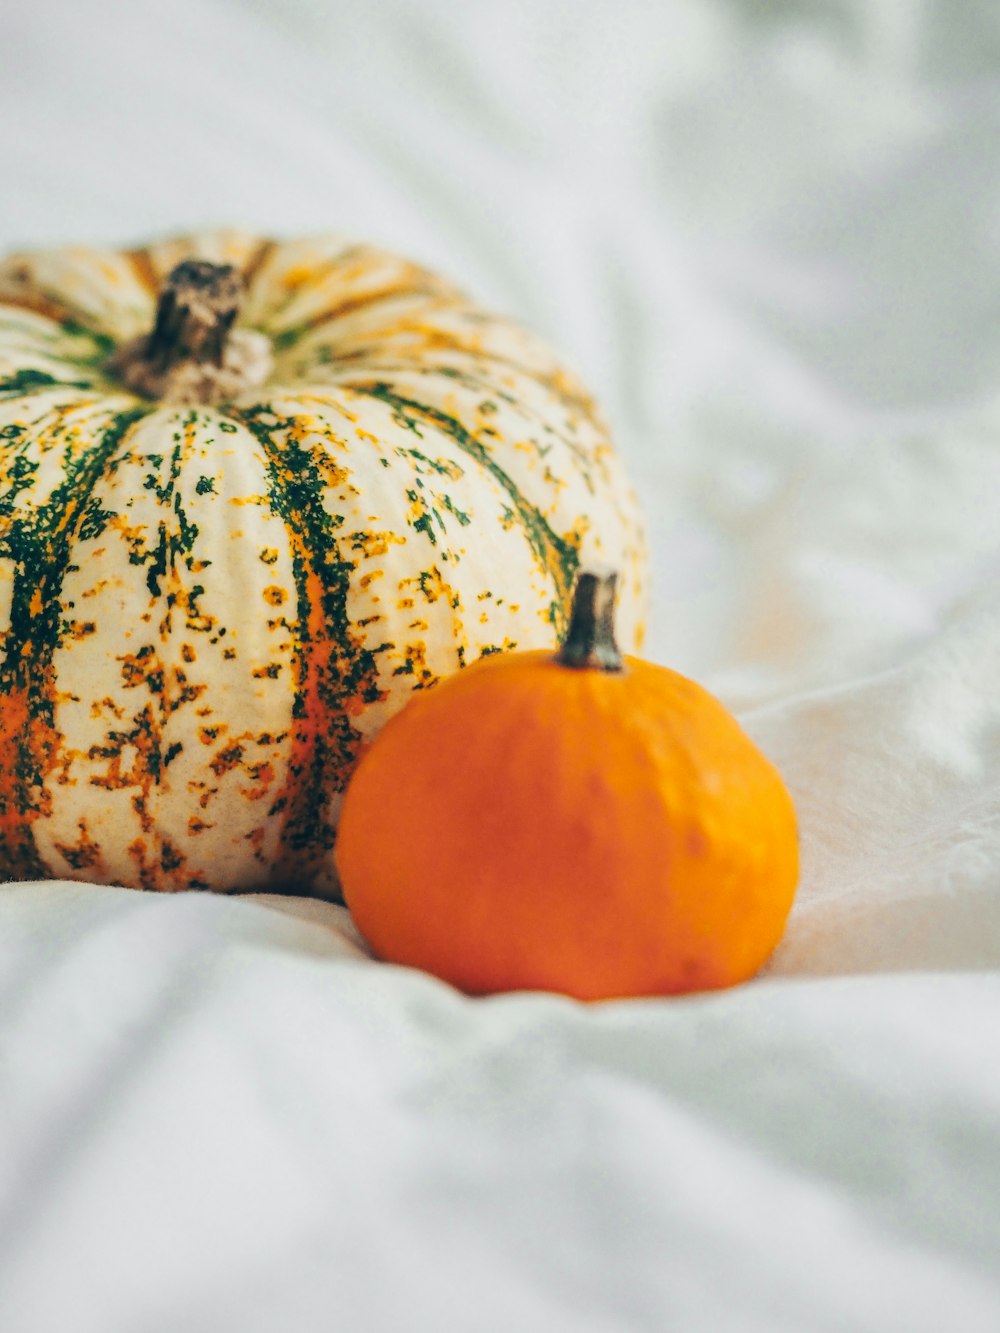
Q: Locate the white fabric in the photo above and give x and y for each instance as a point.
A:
(769, 235)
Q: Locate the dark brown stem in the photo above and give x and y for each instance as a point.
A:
(197, 308)
(194, 355)
(590, 639)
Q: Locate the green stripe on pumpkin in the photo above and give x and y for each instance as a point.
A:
(39, 543)
(24, 382)
(332, 667)
(558, 556)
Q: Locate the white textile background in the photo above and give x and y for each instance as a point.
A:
(769, 235)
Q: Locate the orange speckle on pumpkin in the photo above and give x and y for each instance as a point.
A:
(137, 850)
(227, 759)
(84, 854)
(297, 275)
(19, 805)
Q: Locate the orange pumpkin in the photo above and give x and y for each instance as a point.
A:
(577, 822)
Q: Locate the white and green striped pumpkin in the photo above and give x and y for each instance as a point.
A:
(209, 600)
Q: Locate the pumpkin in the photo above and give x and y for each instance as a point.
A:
(254, 495)
(577, 821)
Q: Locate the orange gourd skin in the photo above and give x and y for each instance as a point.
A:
(527, 825)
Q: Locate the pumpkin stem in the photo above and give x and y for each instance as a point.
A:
(590, 639)
(192, 354)
(196, 310)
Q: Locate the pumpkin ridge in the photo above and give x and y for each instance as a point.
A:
(26, 285)
(559, 383)
(153, 853)
(23, 383)
(40, 545)
(323, 270)
(545, 378)
(257, 260)
(556, 555)
(47, 340)
(49, 344)
(141, 263)
(38, 303)
(336, 676)
(288, 338)
(370, 358)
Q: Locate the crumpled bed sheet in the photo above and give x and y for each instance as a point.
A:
(769, 238)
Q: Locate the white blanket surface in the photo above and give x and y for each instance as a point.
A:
(769, 237)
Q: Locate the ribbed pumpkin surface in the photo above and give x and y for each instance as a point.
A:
(205, 611)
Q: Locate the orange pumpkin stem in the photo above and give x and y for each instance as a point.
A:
(590, 639)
